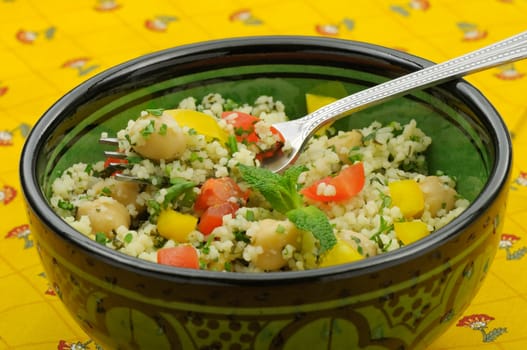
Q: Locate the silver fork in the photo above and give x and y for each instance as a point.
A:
(298, 131)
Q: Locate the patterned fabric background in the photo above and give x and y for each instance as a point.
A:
(48, 47)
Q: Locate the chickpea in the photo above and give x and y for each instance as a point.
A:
(437, 195)
(360, 242)
(272, 236)
(165, 140)
(122, 191)
(343, 142)
(105, 214)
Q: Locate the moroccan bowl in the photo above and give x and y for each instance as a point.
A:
(403, 299)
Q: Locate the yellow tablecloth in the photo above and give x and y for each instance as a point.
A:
(48, 47)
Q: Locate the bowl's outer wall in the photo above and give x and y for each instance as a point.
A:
(402, 307)
(401, 303)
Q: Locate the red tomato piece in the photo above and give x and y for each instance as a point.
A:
(218, 191)
(213, 216)
(243, 125)
(180, 256)
(347, 183)
(110, 160)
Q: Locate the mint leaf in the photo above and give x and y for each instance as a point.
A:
(282, 193)
(279, 190)
(315, 221)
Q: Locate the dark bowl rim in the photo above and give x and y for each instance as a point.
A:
(37, 202)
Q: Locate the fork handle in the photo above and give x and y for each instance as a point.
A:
(505, 51)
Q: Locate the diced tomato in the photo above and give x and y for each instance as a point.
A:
(213, 216)
(218, 191)
(181, 256)
(347, 183)
(243, 124)
(111, 160)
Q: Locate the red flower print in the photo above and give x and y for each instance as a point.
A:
(479, 322)
(7, 194)
(21, 232)
(522, 179)
(6, 138)
(422, 5)
(26, 36)
(507, 242)
(327, 29)
(245, 16)
(508, 72)
(80, 64)
(471, 32)
(159, 23)
(30, 36)
(335, 29)
(3, 90)
(64, 345)
(106, 5)
(18, 231)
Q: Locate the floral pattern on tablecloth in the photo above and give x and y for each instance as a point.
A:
(48, 47)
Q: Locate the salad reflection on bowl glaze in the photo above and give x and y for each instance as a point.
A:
(402, 299)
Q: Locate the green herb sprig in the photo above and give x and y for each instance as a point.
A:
(282, 193)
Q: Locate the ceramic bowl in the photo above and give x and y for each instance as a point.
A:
(399, 300)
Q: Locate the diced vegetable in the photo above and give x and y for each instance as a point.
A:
(213, 216)
(243, 124)
(410, 231)
(341, 253)
(244, 130)
(110, 160)
(348, 183)
(218, 191)
(407, 195)
(174, 225)
(180, 256)
(202, 123)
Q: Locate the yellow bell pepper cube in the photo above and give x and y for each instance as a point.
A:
(315, 102)
(174, 225)
(341, 253)
(203, 123)
(408, 196)
(410, 231)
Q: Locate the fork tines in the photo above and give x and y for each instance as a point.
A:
(114, 154)
(112, 141)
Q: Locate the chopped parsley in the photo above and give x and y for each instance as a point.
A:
(157, 112)
(148, 130)
(249, 215)
(65, 205)
(100, 237)
(134, 159)
(106, 191)
(163, 129)
(128, 238)
(232, 144)
(241, 236)
(383, 229)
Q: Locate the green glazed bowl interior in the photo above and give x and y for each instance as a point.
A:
(470, 141)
